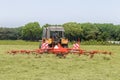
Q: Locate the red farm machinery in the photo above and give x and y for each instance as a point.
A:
(54, 42)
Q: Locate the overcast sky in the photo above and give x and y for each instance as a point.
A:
(15, 13)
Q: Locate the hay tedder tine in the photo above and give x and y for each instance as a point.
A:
(60, 51)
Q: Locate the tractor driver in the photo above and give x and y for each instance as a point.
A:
(55, 35)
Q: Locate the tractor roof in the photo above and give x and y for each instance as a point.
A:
(55, 28)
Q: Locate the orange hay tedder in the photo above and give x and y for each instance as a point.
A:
(54, 42)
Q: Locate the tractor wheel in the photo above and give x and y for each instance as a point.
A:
(65, 45)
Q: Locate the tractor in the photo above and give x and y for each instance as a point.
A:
(54, 42)
(53, 35)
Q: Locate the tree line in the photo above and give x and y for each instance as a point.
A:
(85, 31)
(89, 31)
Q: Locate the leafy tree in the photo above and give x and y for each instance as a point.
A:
(8, 33)
(72, 30)
(106, 31)
(117, 33)
(31, 31)
(90, 31)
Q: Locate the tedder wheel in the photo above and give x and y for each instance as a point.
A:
(65, 45)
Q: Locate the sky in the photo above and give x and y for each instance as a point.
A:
(16, 13)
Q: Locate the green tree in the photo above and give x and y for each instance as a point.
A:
(73, 30)
(117, 33)
(107, 31)
(9, 33)
(90, 31)
(31, 31)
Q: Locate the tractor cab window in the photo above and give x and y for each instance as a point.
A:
(56, 34)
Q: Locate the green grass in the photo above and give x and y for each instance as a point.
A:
(50, 67)
(17, 42)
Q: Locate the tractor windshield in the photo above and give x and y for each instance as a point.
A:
(56, 34)
(53, 32)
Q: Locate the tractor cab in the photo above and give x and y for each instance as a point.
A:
(54, 35)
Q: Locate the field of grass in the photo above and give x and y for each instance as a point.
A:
(50, 67)
(17, 42)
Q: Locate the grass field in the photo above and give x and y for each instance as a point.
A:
(17, 42)
(50, 67)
